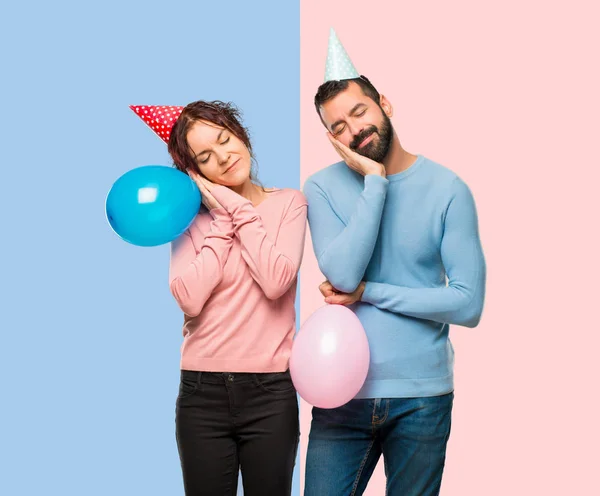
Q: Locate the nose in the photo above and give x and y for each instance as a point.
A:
(222, 156)
(355, 129)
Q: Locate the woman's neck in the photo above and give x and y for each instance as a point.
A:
(250, 191)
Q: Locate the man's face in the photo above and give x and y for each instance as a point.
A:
(359, 123)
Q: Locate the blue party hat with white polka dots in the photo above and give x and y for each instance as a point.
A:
(338, 65)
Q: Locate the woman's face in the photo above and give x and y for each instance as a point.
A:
(221, 157)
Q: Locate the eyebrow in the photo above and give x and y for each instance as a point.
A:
(352, 112)
(206, 151)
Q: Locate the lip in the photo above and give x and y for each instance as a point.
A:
(232, 166)
(367, 140)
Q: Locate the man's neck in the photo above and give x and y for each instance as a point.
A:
(398, 159)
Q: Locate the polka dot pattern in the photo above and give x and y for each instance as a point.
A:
(160, 118)
(338, 65)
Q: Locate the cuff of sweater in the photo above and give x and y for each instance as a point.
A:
(228, 199)
(374, 183)
(219, 213)
(371, 293)
(239, 208)
(222, 222)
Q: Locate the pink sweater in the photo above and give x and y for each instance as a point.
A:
(234, 274)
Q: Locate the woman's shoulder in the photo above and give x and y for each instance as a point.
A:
(288, 196)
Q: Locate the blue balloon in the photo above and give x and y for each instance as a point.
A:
(152, 205)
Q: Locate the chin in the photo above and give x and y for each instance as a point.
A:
(366, 151)
(238, 178)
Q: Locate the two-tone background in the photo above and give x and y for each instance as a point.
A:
(504, 93)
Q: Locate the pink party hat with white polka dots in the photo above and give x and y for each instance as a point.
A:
(160, 118)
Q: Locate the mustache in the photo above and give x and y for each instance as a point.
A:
(360, 137)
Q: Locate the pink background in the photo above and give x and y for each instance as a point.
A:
(506, 95)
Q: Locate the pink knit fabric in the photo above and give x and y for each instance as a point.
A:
(234, 275)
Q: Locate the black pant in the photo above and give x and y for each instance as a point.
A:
(225, 421)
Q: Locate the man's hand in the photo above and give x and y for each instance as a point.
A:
(357, 162)
(335, 297)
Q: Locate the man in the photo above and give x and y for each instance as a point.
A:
(396, 236)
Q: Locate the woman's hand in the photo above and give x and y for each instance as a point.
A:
(205, 186)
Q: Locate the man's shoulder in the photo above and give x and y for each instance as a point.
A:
(445, 179)
(441, 173)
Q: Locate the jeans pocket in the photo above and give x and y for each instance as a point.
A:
(276, 382)
(187, 386)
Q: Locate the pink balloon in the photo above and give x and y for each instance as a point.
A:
(330, 357)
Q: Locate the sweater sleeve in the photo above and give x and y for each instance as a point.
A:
(461, 302)
(195, 272)
(344, 251)
(273, 265)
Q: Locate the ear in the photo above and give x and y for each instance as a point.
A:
(386, 105)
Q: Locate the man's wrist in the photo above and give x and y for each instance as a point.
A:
(380, 171)
(361, 290)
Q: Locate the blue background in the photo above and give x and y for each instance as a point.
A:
(90, 335)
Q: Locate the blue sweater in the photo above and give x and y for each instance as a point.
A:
(414, 239)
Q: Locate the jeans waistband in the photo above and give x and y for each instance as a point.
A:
(222, 377)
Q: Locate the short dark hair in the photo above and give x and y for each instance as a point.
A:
(331, 89)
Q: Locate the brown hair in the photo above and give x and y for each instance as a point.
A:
(225, 115)
(330, 89)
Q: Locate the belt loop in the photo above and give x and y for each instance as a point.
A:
(199, 379)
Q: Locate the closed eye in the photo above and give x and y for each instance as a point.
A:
(224, 142)
(339, 131)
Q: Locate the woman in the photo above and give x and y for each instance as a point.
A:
(234, 273)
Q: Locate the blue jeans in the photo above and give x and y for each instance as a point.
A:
(345, 444)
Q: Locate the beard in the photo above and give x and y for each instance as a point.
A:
(380, 146)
